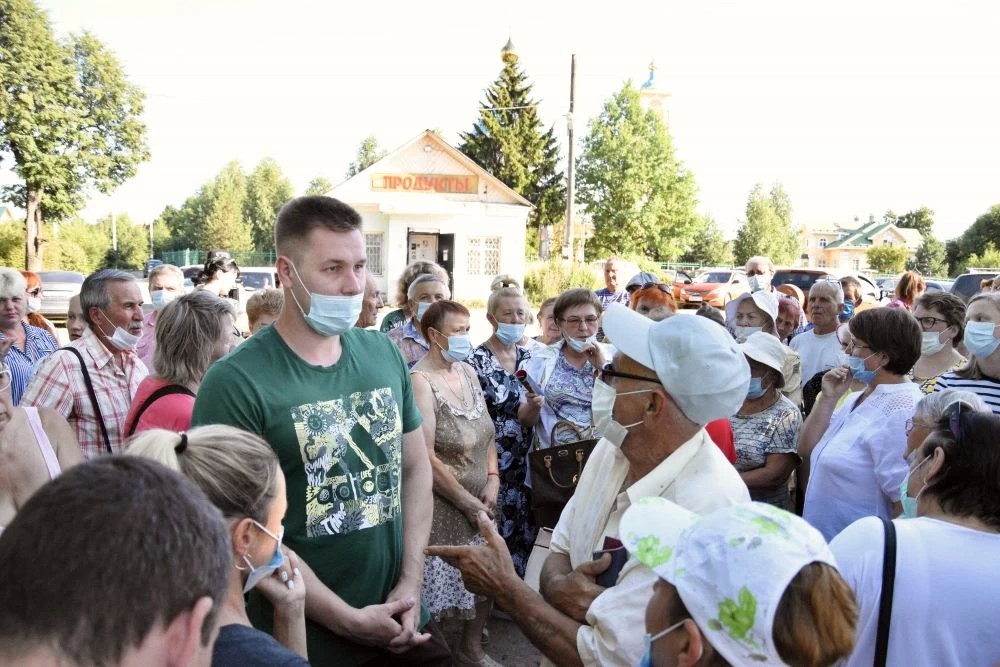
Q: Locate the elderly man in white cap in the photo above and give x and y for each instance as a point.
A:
(743, 585)
(666, 381)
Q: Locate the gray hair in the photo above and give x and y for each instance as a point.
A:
(95, 293)
(186, 333)
(760, 259)
(167, 268)
(831, 284)
(931, 408)
(12, 283)
(425, 278)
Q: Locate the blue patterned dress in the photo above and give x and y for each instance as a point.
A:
(503, 397)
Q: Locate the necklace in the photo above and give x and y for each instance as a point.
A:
(459, 394)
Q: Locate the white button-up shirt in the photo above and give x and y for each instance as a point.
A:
(696, 476)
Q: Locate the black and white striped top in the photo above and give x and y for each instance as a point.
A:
(986, 388)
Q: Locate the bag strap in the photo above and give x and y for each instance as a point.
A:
(888, 584)
(153, 398)
(93, 396)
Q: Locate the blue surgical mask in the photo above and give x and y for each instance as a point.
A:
(858, 370)
(848, 310)
(910, 503)
(161, 298)
(421, 309)
(459, 348)
(647, 656)
(330, 315)
(578, 345)
(756, 389)
(980, 340)
(259, 573)
(508, 334)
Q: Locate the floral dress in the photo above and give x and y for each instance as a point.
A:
(513, 440)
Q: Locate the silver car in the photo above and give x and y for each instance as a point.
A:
(58, 287)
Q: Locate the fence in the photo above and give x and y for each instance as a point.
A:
(189, 257)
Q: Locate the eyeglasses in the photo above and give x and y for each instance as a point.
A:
(609, 372)
(851, 346)
(913, 423)
(926, 323)
(575, 321)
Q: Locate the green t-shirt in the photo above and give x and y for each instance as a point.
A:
(396, 318)
(338, 433)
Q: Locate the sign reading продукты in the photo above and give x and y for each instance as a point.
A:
(449, 183)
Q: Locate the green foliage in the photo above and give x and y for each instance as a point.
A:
(921, 219)
(988, 258)
(69, 118)
(710, 247)
(768, 228)
(319, 186)
(887, 259)
(507, 140)
(639, 195)
(931, 258)
(984, 230)
(368, 154)
(555, 277)
(267, 190)
(11, 244)
(223, 224)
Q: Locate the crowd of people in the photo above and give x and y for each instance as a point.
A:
(753, 486)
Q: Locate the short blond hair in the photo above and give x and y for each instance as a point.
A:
(186, 332)
(12, 283)
(267, 301)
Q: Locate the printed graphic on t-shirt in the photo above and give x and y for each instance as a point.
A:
(351, 449)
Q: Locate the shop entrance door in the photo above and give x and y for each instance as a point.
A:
(423, 247)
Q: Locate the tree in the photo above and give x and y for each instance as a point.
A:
(988, 258)
(368, 154)
(508, 141)
(931, 258)
(267, 191)
(710, 247)
(984, 230)
(921, 219)
(639, 195)
(768, 227)
(887, 258)
(69, 119)
(223, 224)
(319, 186)
(133, 242)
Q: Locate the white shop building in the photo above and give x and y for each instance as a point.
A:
(428, 201)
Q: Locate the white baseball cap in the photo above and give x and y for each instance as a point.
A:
(730, 567)
(766, 349)
(696, 360)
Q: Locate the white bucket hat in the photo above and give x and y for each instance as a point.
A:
(730, 567)
(766, 349)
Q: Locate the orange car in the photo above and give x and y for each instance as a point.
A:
(716, 287)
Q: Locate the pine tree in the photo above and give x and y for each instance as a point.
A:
(509, 142)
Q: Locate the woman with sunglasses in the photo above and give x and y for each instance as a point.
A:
(855, 451)
(942, 322)
(36, 444)
(982, 338)
(565, 370)
(944, 606)
(654, 300)
(35, 292)
(240, 475)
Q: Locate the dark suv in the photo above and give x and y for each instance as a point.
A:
(967, 285)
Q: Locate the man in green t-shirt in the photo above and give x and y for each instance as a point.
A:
(336, 404)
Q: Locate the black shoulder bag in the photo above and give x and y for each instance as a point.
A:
(93, 396)
(888, 584)
(153, 398)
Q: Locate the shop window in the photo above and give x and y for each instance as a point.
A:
(373, 251)
(484, 256)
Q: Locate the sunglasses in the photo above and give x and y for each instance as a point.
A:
(608, 372)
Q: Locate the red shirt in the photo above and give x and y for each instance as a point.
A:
(721, 434)
(172, 412)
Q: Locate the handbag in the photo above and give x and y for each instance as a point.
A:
(555, 472)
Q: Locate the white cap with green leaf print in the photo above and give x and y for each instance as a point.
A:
(730, 567)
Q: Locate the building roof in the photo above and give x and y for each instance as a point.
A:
(861, 237)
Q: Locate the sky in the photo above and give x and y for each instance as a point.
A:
(855, 107)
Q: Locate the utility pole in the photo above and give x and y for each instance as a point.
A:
(114, 237)
(568, 250)
(151, 255)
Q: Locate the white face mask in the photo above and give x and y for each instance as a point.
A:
(121, 339)
(930, 342)
(746, 332)
(603, 406)
(330, 315)
(34, 304)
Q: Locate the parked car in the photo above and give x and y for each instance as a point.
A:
(716, 287)
(803, 278)
(967, 285)
(681, 278)
(254, 278)
(58, 288)
(150, 265)
(939, 285)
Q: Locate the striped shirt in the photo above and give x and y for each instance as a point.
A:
(59, 384)
(38, 343)
(986, 388)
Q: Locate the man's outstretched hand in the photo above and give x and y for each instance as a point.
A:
(486, 570)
